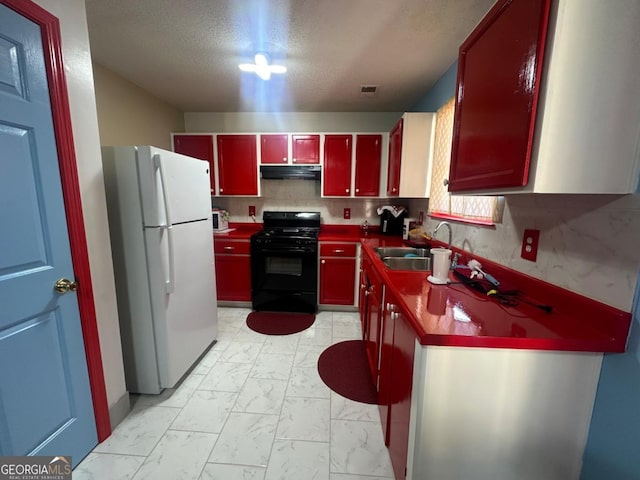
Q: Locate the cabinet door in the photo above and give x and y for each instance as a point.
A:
(395, 157)
(197, 146)
(499, 69)
(274, 149)
(368, 160)
(373, 338)
(305, 149)
(233, 277)
(337, 280)
(400, 393)
(385, 372)
(363, 294)
(237, 165)
(336, 170)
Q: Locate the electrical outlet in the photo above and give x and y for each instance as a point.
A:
(252, 210)
(347, 213)
(530, 244)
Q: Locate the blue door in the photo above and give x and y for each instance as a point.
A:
(45, 398)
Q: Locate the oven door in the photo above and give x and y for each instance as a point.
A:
(284, 277)
(284, 269)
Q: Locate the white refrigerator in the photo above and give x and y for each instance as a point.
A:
(159, 207)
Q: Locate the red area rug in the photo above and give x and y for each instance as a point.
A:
(279, 323)
(343, 367)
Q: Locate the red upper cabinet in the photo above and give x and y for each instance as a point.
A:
(305, 149)
(237, 165)
(499, 73)
(368, 160)
(337, 165)
(395, 158)
(197, 146)
(274, 149)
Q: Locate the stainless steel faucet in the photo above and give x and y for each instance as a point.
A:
(441, 224)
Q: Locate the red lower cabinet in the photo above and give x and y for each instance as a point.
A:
(396, 381)
(337, 273)
(233, 270)
(370, 307)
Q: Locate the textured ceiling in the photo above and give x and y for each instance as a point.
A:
(187, 52)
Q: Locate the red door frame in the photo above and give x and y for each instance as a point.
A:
(51, 43)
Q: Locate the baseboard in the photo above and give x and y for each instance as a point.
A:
(119, 410)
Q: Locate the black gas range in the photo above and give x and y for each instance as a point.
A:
(284, 262)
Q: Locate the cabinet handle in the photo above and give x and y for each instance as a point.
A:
(391, 307)
(284, 159)
(293, 160)
(445, 182)
(393, 189)
(394, 316)
(338, 250)
(230, 249)
(322, 261)
(366, 293)
(221, 190)
(346, 190)
(362, 286)
(357, 190)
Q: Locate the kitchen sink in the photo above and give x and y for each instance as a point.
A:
(408, 263)
(384, 252)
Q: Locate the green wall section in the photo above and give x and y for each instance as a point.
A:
(440, 93)
(613, 446)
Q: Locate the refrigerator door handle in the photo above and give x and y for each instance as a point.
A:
(169, 282)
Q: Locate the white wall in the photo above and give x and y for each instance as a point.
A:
(77, 62)
(129, 115)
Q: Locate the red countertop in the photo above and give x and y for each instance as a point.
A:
(239, 231)
(455, 315)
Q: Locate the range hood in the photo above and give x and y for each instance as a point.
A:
(304, 172)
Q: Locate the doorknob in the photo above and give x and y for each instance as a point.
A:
(63, 285)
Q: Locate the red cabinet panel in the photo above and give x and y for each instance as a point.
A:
(400, 393)
(338, 250)
(305, 148)
(337, 280)
(395, 383)
(395, 157)
(336, 170)
(237, 164)
(274, 149)
(233, 270)
(368, 160)
(337, 273)
(197, 146)
(499, 70)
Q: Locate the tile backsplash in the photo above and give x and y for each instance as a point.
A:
(588, 244)
(291, 194)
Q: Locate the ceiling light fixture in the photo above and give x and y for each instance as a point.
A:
(262, 67)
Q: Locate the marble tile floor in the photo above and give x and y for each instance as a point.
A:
(253, 408)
